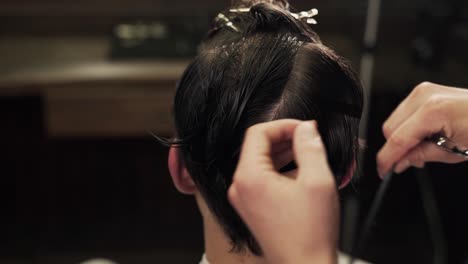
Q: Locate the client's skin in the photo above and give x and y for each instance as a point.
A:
(217, 245)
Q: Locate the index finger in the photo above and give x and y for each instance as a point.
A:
(411, 133)
(260, 140)
(406, 108)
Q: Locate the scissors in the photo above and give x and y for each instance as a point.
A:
(449, 146)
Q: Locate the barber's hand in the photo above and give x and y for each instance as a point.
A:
(430, 109)
(295, 219)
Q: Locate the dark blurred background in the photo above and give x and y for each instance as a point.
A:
(83, 82)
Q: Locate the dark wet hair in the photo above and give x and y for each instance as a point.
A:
(269, 66)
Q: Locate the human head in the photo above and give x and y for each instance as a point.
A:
(269, 66)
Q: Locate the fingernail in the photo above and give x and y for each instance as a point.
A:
(402, 166)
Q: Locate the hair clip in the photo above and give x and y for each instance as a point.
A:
(239, 10)
(221, 18)
(308, 15)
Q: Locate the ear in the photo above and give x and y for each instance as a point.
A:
(349, 176)
(179, 174)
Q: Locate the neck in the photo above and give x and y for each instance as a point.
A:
(218, 246)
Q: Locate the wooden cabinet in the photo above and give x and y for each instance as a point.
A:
(102, 99)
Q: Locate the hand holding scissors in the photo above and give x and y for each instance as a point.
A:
(431, 114)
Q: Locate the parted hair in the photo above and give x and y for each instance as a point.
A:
(269, 66)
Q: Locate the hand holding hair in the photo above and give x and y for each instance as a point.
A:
(295, 220)
(431, 109)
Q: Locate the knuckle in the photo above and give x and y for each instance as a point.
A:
(244, 182)
(241, 185)
(435, 106)
(238, 181)
(423, 87)
(419, 90)
(397, 141)
(426, 85)
(387, 130)
(232, 193)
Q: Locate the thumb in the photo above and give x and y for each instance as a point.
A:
(309, 151)
(425, 152)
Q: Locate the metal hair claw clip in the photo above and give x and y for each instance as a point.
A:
(239, 10)
(222, 19)
(308, 15)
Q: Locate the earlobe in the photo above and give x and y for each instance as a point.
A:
(179, 174)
